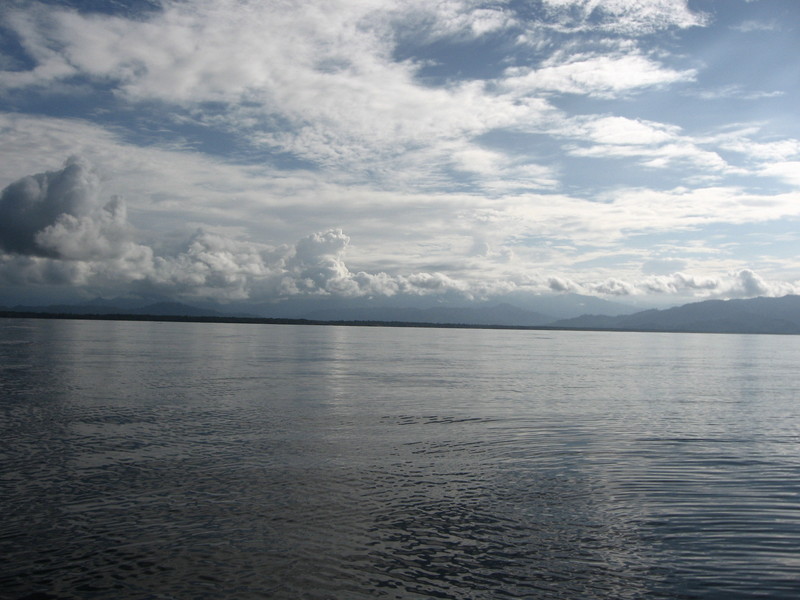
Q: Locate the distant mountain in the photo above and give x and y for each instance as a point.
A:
(756, 315)
(515, 309)
(175, 309)
(430, 309)
(497, 314)
(564, 306)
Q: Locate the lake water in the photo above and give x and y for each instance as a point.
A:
(192, 461)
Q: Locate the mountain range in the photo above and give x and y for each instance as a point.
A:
(755, 315)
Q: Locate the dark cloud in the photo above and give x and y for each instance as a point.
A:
(58, 214)
(34, 203)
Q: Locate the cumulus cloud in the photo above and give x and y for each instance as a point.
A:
(317, 265)
(677, 283)
(214, 266)
(57, 231)
(32, 204)
(101, 234)
(58, 214)
(744, 283)
(54, 229)
(564, 285)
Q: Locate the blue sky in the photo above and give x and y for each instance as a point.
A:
(646, 151)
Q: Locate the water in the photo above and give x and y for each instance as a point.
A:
(194, 461)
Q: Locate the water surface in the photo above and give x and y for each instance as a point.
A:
(181, 460)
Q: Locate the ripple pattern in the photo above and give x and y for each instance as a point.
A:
(173, 461)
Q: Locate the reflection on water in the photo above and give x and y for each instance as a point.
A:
(177, 460)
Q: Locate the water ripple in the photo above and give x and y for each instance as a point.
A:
(185, 461)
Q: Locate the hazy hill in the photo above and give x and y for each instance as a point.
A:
(756, 315)
(515, 308)
(498, 314)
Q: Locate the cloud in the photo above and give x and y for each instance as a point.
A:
(316, 81)
(564, 285)
(743, 283)
(24, 270)
(215, 267)
(103, 233)
(57, 231)
(682, 153)
(321, 82)
(678, 283)
(787, 171)
(773, 151)
(604, 76)
(656, 145)
(625, 16)
(735, 92)
(57, 214)
(498, 171)
(266, 149)
(752, 25)
(317, 265)
(663, 266)
(453, 19)
(624, 131)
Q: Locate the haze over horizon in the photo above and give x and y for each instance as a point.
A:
(238, 151)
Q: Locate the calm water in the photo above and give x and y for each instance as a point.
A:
(194, 461)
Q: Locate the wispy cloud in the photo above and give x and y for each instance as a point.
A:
(361, 147)
(601, 76)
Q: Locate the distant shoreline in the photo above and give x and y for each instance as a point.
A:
(8, 314)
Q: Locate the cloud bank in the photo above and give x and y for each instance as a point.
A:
(57, 231)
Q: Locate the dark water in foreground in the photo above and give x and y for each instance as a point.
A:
(194, 461)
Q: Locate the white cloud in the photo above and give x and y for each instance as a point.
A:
(71, 238)
(743, 283)
(656, 145)
(102, 234)
(678, 283)
(594, 75)
(415, 183)
(317, 266)
(624, 131)
(499, 171)
(787, 171)
(626, 16)
(741, 142)
(455, 18)
(324, 73)
(213, 266)
(752, 25)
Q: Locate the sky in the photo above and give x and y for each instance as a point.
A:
(231, 151)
